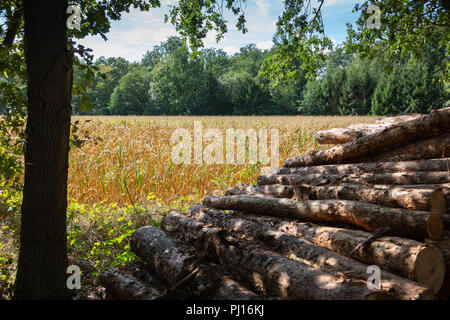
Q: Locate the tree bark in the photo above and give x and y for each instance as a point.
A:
(434, 147)
(275, 191)
(162, 255)
(288, 245)
(444, 245)
(414, 199)
(269, 273)
(353, 132)
(42, 262)
(124, 286)
(402, 222)
(371, 167)
(397, 178)
(405, 257)
(437, 122)
(179, 265)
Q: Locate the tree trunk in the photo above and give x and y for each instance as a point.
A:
(269, 273)
(287, 245)
(405, 257)
(437, 122)
(162, 255)
(397, 178)
(444, 188)
(434, 147)
(275, 191)
(340, 135)
(402, 222)
(124, 286)
(42, 262)
(413, 199)
(444, 246)
(373, 167)
(353, 132)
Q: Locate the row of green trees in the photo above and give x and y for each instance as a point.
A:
(170, 81)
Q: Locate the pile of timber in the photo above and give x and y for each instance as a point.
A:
(311, 229)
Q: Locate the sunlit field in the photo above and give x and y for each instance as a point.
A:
(128, 159)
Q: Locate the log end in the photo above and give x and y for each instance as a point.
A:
(435, 227)
(438, 203)
(429, 268)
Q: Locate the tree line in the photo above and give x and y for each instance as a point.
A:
(169, 80)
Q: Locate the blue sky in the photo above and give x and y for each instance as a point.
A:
(137, 32)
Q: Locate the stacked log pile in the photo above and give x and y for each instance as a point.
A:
(311, 228)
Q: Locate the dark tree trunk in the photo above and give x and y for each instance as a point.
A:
(42, 265)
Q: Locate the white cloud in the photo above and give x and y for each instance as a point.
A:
(264, 45)
(231, 50)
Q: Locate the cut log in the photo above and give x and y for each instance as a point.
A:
(186, 276)
(444, 246)
(289, 245)
(161, 254)
(434, 147)
(437, 122)
(399, 119)
(415, 199)
(444, 188)
(275, 191)
(405, 257)
(406, 223)
(398, 178)
(340, 135)
(373, 167)
(353, 132)
(272, 274)
(121, 285)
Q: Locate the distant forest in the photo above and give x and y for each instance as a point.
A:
(169, 80)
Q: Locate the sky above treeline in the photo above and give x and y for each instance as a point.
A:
(137, 32)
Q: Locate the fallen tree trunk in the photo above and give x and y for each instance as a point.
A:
(371, 167)
(186, 275)
(272, 274)
(405, 257)
(444, 188)
(121, 285)
(275, 191)
(353, 132)
(414, 199)
(444, 246)
(402, 222)
(399, 119)
(437, 122)
(340, 135)
(429, 148)
(161, 254)
(289, 245)
(398, 178)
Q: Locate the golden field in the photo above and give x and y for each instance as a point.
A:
(128, 159)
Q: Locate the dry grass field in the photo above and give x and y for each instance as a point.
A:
(128, 159)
